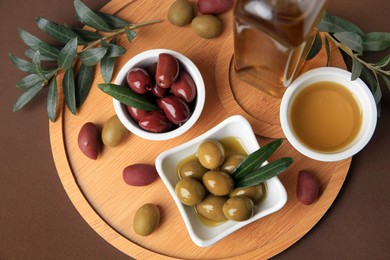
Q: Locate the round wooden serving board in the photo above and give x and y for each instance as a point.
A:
(108, 205)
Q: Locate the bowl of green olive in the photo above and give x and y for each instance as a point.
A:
(199, 175)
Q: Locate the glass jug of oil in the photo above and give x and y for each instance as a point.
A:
(271, 39)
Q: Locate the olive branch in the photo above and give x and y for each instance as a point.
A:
(353, 41)
(89, 47)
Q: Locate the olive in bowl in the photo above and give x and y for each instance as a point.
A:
(172, 82)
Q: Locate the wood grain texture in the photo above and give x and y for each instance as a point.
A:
(103, 199)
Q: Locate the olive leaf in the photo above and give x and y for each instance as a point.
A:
(29, 94)
(113, 50)
(256, 159)
(356, 69)
(127, 96)
(59, 32)
(92, 56)
(315, 48)
(373, 83)
(107, 68)
(88, 36)
(350, 39)
(89, 17)
(30, 54)
(335, 24)
(26, 66)
(83, 83)
(130, 34)
(67, 54)
(386, 80)
(29, 81)
(383, 62)
(36, 62)
(36, 44)
(327, 49)
(68, 86)
(52, 97)
(264, 173)
(113, 21)
(376, 41)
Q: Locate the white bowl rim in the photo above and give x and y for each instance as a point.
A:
(343, 77)
(275, 182)
(200, 99)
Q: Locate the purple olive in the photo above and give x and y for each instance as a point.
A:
(155, 121)
(139, 80)
(135, 113)
(176, 110)
(167, 70)
(159, 91)
(184, 87)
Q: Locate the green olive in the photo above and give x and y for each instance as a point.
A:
(218, 183)
(255, 193)
(192, 169)
(238, 208)
(207, 26)
(211, 154)
(180, 13)
(113, 132)
(189, 191)
(232, 162)
(211, 208)
(146, 219)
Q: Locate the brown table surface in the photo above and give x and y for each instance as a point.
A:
(38, 221)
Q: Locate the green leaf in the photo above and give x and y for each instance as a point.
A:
(130, 34)
(52, 96)
(335, 24)
(327, 48)
(315, 47)
(376, 41)
(113, 21)
(373, 83)
(383, 62)
(68, 87)
(30, 54)
(27, 96)
(83, 83)
(113, 50)
(92, 56)
(350, 39)
(89, 17)
(356, 68)
(265, 172)
(107, 66)
(21, 64)
(386, 80)
(29, 81)
(59, 32)
(88, 36)
(36, 44)
(256, 159)
(67, 54)
(36, 62)
(126, 96)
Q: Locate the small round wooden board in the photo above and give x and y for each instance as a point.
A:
(108, 205)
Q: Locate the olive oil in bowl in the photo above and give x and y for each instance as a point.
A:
(326, 116)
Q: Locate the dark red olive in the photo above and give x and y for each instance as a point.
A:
(136, 113)
(167, 70)
(176, 110)
(139, 80)
(155, 121)
(184, 87)
(159, 91)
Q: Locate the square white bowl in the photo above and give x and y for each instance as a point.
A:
(166, 164)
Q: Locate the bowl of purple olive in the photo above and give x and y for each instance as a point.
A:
(166, 93)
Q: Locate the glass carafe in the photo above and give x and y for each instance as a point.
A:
(271, 38)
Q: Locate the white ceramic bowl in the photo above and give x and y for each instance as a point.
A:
(362, 95)
(145, 59)
(166, 164)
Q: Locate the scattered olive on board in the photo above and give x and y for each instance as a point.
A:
(89, 140)
(307, 188)
(207, 26)
(140, 174)
(180, 13)
(146, 219)
(113, 132)
(214, 6)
